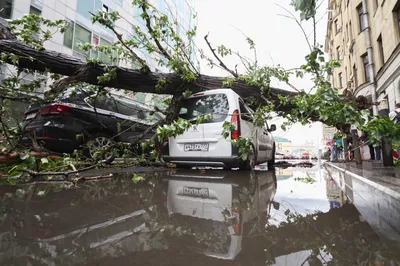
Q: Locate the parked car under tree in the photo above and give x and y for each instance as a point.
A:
(204, 145)
(79, 116)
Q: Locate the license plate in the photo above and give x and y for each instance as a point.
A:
(30, 116)
(196, 147)
(196, 192)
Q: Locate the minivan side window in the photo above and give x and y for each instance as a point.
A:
(244, 112)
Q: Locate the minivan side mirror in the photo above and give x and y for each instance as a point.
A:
(272, 128)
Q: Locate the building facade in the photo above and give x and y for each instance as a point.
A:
(283, 145)
(82, 30)
(346, 42)
(327, 136)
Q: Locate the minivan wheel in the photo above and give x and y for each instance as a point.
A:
(250, 163)
(271, 163)
(97, 143)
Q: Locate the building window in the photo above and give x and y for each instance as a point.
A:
(34, 10)
(340, 80)
(351, 31)
(361, 17)
(355, 76)
(105, 58)
(85, 7)
(69, 34)
(337, 29)
(338, 53)
(6, 7)
(398, 17)
(82, 36)
(366, 72)
(105, 8)
(376, 5)
(381, 53)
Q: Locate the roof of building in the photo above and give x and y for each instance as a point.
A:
(279, 139)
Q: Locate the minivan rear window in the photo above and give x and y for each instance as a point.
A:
(216, 105)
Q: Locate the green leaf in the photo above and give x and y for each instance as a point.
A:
(44, 161)
(137, 178)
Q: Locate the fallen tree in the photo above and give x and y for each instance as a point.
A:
(127, 79)
(22, 44)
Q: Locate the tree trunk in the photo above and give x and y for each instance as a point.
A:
(128, 79)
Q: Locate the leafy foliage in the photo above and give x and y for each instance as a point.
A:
(173, 51)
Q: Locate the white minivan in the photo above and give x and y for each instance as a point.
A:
(204, 145)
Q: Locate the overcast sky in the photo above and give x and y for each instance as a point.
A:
(278, 39)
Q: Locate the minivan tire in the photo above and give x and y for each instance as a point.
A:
(250, 163)
(271, 163)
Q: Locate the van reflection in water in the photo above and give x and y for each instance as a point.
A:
(220, 208)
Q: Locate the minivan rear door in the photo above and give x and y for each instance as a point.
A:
(205, 139)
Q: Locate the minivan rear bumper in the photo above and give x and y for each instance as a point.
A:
(230, 161)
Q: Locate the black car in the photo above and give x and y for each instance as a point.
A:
(77, 117)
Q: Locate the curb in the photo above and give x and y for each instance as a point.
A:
(373, 184)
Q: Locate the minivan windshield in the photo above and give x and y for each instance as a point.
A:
(216, 105)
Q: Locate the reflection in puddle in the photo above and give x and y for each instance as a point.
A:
(190, 217)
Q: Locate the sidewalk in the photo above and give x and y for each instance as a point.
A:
(374, 190)
(374, 173)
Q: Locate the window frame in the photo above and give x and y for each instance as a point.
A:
(381, 51)
(355, 76)
(365, 61)
(340, 75)
(11, 2)
(337, 29)
(74, 40)
(338, 53)
(360, 12)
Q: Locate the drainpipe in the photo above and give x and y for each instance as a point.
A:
(370, 57)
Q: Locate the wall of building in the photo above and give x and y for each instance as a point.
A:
(82, 30)
(383, 18)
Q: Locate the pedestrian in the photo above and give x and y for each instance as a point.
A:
(395, 115)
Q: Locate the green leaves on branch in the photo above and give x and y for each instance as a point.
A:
(244, 144)
(381, 127)
(34, 30)
(307, 8)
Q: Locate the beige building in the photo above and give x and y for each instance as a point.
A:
(283, 145)
(327, 135)
(346, 41)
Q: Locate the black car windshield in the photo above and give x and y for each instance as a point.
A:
(216, 105)
(74, 95)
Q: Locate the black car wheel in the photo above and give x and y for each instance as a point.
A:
(100, 148)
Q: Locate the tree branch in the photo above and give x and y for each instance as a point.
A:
(292, 16)
(145, 67)
(219, 60)
(153, 35)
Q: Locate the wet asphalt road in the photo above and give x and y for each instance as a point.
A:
(292, 216)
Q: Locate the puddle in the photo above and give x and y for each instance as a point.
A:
(190, 217)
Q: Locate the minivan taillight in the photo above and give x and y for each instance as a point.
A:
(55, 109)
(236, 122)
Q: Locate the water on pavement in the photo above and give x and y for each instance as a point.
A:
(292, 216)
